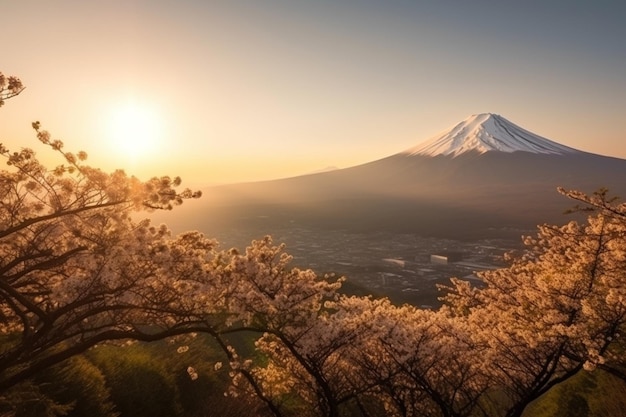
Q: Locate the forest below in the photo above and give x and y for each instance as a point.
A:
(152, 380)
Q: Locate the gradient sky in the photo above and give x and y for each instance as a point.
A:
(261, 89)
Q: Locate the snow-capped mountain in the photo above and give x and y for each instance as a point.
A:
(484, 177)
(487, 132)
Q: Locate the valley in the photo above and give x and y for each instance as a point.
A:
(474, 191)
(405, 267)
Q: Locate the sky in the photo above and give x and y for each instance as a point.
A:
(231, 91)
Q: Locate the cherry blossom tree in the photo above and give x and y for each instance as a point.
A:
(9, 87)
(283, 306)
(555, 311)
(490, 351)
(325, 353)
(76, 269)
(433, 358)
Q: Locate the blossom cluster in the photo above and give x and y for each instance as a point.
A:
(9, 87)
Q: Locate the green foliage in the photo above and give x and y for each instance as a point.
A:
(151, 379)
(75, 388)
(588, 394)
(80, 383)
(132, 374)
(28, 400)
(143, 379)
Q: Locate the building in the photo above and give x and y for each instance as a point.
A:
(444, 258)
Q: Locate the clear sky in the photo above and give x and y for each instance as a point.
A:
(225, 91)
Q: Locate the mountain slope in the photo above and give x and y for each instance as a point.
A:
(498, 180)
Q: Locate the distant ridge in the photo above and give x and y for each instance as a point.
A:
(326, 169)
(487, 132)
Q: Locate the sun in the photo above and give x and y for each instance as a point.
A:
(135, 130)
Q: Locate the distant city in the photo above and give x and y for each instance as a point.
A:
(404, 267)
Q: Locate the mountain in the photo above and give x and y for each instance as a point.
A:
(484, 177)
(484, 133)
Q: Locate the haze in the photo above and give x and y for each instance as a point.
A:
(249, 90)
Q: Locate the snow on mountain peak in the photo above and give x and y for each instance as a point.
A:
(487, 132)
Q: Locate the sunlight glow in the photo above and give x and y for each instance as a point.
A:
(135, 130)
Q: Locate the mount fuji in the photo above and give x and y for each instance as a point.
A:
(484, 177)
(487, 132)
